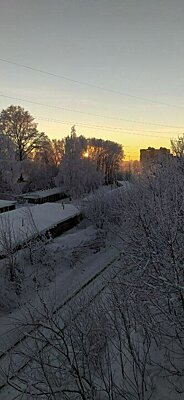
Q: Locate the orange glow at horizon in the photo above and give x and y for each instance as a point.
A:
(86, 154)
(131, 143)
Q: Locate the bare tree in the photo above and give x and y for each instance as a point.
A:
(107, 155)
(90, 351)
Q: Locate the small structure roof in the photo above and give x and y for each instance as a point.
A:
(6, 203)
(25, 223)
(42, 193)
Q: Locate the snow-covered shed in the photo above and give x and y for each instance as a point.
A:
(6, 205)
(28, 222)
(44, 196)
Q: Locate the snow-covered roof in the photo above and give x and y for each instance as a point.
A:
(42, 193)
(26, 222)
(6, 203)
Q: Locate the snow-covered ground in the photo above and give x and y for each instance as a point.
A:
(70, 260)
(6, 203)
(79, 255)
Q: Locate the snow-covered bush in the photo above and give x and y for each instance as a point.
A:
(148, 297)
(78, 176)
(106, 207)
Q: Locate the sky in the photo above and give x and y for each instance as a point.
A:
(119, 67)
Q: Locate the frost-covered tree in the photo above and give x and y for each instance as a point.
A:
(74, 146)
(50, 153)
(151, 232)
(57, 150)
(40, 170)
(87, 163)
(77, 173)
(108, 155)
(19, 125)
(38, 175)
(177, 146)
(146, 224)
(9, 167)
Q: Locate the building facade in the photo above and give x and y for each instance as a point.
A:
(152, 155)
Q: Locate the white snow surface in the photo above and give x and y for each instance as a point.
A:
(42, 193)
(26, 222)
(66, 282)
(66, 279)
(6, 203)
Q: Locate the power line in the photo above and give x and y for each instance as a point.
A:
(102, 128)
(146, 99)
(87, 113)
(85, 124)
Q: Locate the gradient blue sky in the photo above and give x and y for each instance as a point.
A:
(132, 46)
